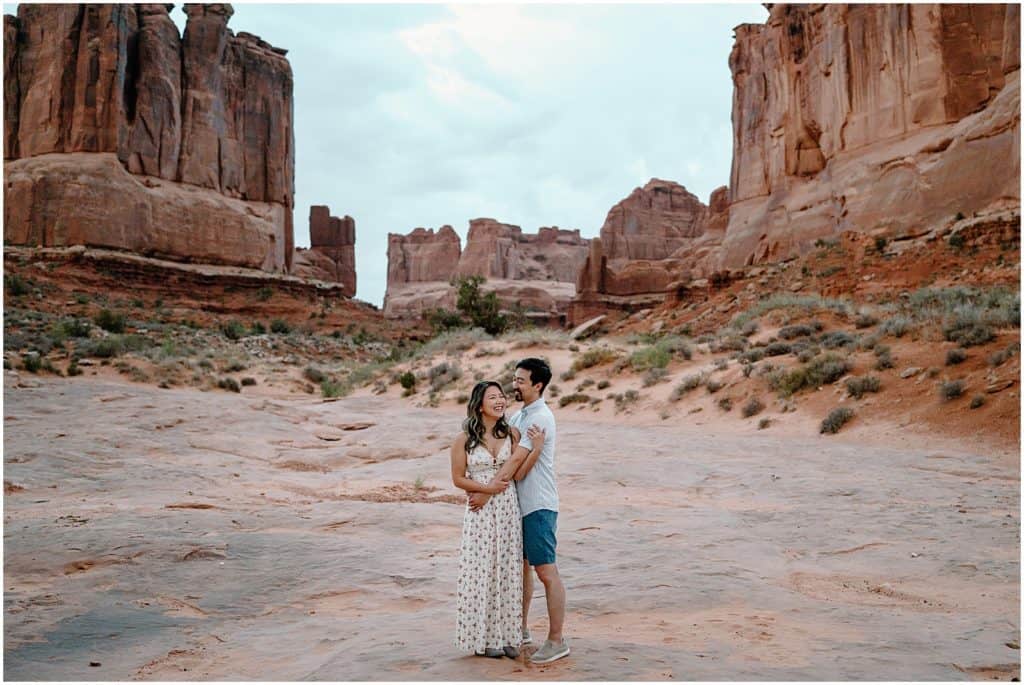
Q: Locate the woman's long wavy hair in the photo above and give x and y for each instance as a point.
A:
(474, 423)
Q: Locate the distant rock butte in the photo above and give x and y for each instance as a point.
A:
(332, 255)
(121, 134)
(537, 271)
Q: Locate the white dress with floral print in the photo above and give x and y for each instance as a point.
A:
(490, 589)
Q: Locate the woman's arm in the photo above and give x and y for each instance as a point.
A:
(537, 437)
(459, 478)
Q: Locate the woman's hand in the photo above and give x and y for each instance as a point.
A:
(536, 436)
(497, 487)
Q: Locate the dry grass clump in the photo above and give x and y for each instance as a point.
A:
(884, 358)
(836, 339)
(897, 326)
(654, 376)
(777, 349)
(537, 337)
(977, 401)
(1000, 357)
(443, 374)
(823, 369)
(602, 384)
(452, 343)
(801, 330)
(713, 386)
(865, 320)
(763, 423)
(229, 384)
(803, 303)
(858, 386)
(950, 390)
(625, 399)
(836, 419)
(313, 374)
(725, 403)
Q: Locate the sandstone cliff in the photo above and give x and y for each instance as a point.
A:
(111, 119)
(332, 253)
(537, 271)
(883, 118)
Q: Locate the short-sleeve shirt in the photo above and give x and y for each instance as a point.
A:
(537, 490)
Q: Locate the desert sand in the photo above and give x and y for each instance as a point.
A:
(183, 535)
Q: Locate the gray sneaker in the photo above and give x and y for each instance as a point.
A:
(526, 636)
(491, 652)
(550, 651)
(511, 652)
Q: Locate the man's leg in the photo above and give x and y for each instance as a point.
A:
(527, 592)
(554, 591)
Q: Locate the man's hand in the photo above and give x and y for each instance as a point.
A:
(536, 435)
(477, 500)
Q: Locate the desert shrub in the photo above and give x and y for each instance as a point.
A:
(330, 387)
(801, 330)
(966, 329)
(868, 342)
(859, 385)
(821, 370)
(654, 376)
(441, 320)
(836, 419)
(73, 368)
(624, 399)
(713, 386)
(865, 320)
(884, 358)
(72, 328)
(567, 375)
(442, 374)
(956, 356)
(977, 401)
(747, 370)
(729, 343)
(534, 337)
(754, 354)
(804, 303)
(653, 357)
(115, 345)
(32, 362)
(234, 366)
(763, 423)
(229, 384)
(725, 403)
(233, 330)
(248, 380)
(778, 348)
(257, 328)
(949, 390)
(594, 357)
(453, 342)
(586, 383)
(686, 385)
(313, 374)
(574, 398)
(280, 326)
(896, 326)
(880, 244)
(956, 241)
(601, 385)
(407, 380)
(836, 339)
(721, 364)
(749, 328)
(753, 407)
(264, 293)
(16, 286)
(111, 321)
(1000, 357)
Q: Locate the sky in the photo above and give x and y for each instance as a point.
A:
(534, 115)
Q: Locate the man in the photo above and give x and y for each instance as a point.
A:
(538, 502)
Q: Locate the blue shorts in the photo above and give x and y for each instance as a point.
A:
(539, 537)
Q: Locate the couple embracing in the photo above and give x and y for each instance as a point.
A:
(507, 469)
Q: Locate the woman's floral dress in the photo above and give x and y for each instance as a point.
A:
(490, 589)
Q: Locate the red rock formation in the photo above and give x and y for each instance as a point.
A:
(870, 117)
(652, 222)
(534, 271)
(332, 255)
(211, 110)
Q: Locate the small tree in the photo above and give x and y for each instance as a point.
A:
(483, 311)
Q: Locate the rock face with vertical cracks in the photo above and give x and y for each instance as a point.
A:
(332, 255)
(111, 117)
(874, 118)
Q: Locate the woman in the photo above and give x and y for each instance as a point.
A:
(490, 588)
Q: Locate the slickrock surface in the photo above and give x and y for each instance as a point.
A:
(173, 534)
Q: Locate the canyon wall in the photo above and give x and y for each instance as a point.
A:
(119, 133)
(331, 256)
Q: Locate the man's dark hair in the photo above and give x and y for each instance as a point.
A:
(539, 370)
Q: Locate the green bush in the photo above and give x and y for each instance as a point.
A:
(313, 374)
(967, 331)
(280, 326)
(725, 404)
(688, 384)
(977, 401)
(17, 286)
(836, 419)
(483, 311)
(594, 357)
(653, 357)
(233, 330)
(835, 339)
(821, 370)
(859, 385)
(32, 363)
(264, 293)
(331, 388)
(248, 380)
(114, 322)
(407, 380)
(796, 331)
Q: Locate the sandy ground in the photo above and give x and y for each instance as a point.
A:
(183, 535)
